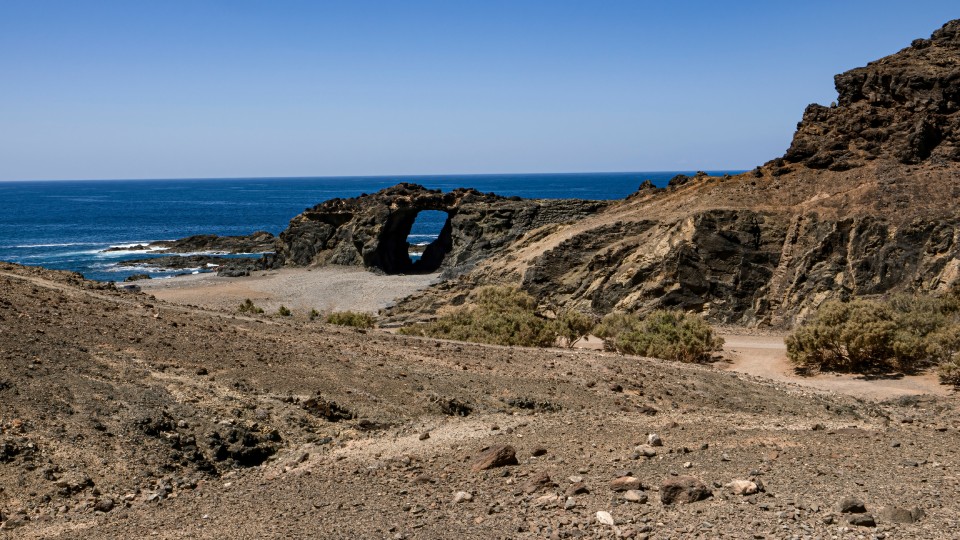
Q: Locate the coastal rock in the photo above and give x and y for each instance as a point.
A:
(371, 230)
(258, 242)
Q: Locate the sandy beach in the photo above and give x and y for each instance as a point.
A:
(299, 289)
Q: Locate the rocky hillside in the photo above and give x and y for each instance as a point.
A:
(863, 203)
(124, 417)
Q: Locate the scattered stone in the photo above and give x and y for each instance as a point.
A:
(636, 496)
(896, 514)
(852, 505)
(539, 481)
(683, 489)
(687, 465)
(495, 456)
(625, 483)
(644, 450)
(862, 520)
(461, 497)
(570, 504)
(578, 488)
(105, 504)
(546, 500)
(424, 436)
(724, 457)
(539, 451)
(743, 487)
(654, 440)
(604, 518)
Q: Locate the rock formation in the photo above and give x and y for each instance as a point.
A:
(864, 202)
(904, 106)
(258, 242)
(371, 230)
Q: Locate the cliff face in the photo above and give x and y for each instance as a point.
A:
(371, 230)
(904, 106)
(864, 202)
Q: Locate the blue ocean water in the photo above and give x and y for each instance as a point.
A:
(67, 224)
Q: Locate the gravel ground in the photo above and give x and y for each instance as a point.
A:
(123, 416)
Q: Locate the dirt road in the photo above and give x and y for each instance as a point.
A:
(766, 356)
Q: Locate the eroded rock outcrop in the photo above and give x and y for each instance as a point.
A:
(371, 230)
(905, 106)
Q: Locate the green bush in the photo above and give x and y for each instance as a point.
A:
(672, 335)
(572, 325)
(904, 333)
(497, 315)
(351, 318)
(313, 315)
(282, 311)
(247, 306)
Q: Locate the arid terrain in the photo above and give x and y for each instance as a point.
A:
(165, 413)
(127, 416)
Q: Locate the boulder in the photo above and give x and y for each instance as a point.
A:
(683, 490)
(494, 456)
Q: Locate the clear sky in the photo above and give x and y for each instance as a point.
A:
(233, 88)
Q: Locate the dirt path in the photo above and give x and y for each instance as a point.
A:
(766, 356)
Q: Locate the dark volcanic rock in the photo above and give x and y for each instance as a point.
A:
(371, 230)
(225, 266)
(904, 106)
(258, 242)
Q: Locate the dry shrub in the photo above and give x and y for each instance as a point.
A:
(351, 318)
(903, 333)
(497, 315)
(247, 306)
(672, 335)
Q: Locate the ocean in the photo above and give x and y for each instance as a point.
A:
(67, 225)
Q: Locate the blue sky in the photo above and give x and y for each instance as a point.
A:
(190, 89)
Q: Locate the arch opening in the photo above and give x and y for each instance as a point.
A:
(413, 242)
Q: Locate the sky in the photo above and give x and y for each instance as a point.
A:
(235, 88)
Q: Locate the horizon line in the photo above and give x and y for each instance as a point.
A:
(366, 176)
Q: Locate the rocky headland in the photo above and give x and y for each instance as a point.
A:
(863, 203)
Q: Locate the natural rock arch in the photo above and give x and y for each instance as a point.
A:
(371, 230)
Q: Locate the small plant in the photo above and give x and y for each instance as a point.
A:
(313, 315)
(247, 306)
(351, 318)
(282, 311)
(671, 335)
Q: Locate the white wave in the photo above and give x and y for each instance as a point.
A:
(115, 251)
(26, 246)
